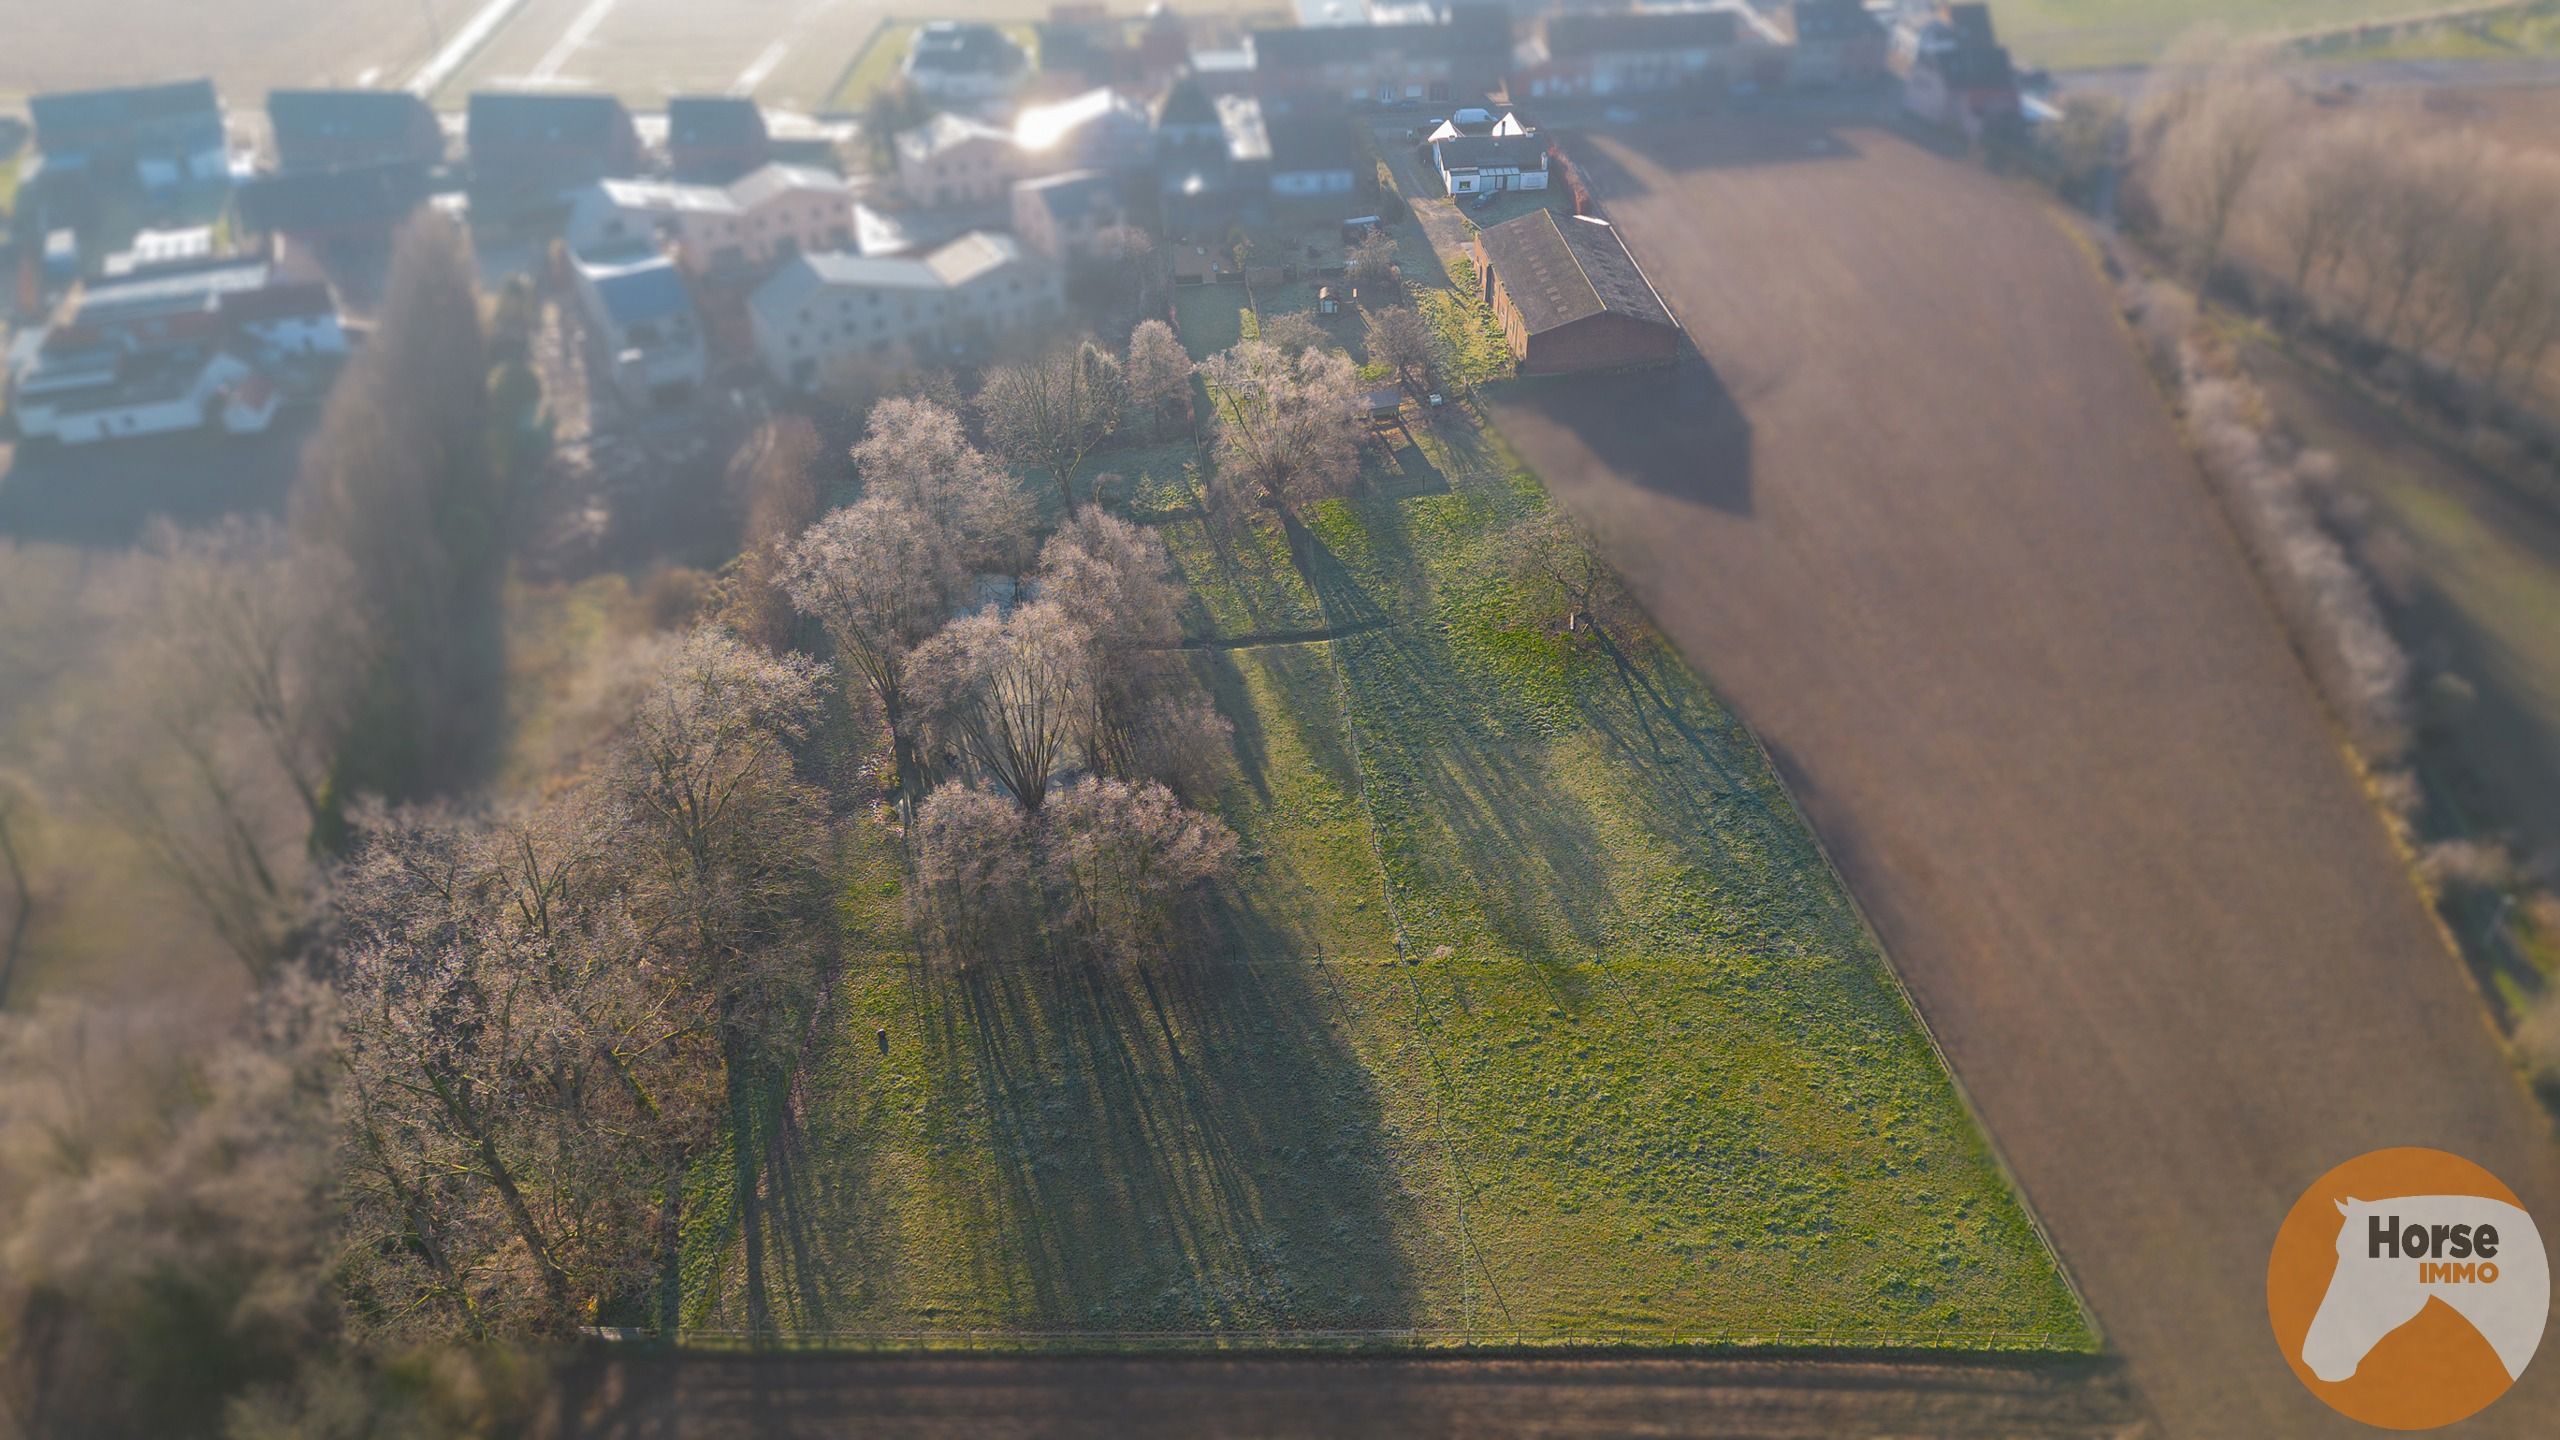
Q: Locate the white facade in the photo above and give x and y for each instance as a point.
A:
(764, 216)
(824, 309)
(76, 413)
(951, 160)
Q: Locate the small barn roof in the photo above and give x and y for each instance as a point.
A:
(1558, 270)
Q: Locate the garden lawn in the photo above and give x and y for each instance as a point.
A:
(1535, 1016)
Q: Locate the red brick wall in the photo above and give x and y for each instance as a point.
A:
(1597, 341)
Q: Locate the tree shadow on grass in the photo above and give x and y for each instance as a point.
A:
(1191, 1148)
(1456, 774)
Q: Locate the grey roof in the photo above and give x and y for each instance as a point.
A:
(957, 47)
(67, 112)
(1500, 152)
(326, 116)
(953, 264)
(508, 117)
(638, 293)
(1319, 142)
(321, 199)
(1835, 20)
(1074, 194)
(1641, 31)
(170, 293)
(714, 121)
(1559, 269)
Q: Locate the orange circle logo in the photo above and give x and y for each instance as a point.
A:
(2408, 1288)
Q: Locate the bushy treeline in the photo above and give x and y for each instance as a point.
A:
(2442, 245)
(498, 1043)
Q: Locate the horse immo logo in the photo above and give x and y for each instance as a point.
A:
(2408, 1288)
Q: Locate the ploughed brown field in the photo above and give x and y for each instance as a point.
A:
(785, 1398)
(1921, 519)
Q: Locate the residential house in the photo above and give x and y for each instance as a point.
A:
(154, 136)
(1060, 217)
(526, 146)
(1084, 45)
(1475, 120)
(174, 350)
(956, 60)
(1314, 163)
(755, 221)
(1636, 53)
(1164, 46)
(951, 160)
(1472, 164)
(641, 326)
(332, 129)
(1955, 72)
(1837, 42)
(1569, 297)
(156, 250)
(824, 309)
(1458, 58)
(333, 214)
(1100, 129)
(713, 139)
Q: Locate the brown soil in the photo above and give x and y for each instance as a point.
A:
(1920, 516)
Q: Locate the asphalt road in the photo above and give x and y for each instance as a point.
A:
(1920, 517)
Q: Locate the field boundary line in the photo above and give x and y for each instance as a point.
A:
(466, 42)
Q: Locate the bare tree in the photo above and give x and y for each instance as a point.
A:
(727, 862)
(915, 451)
(1293, 334)
(1159, 374)
(881, 578)
(1562, 579)
(1121, 858)
(2213, 127)
(1116, 580)
(1009, 694)
(211, 745)
(1399, 338)
(973, 896)
(1371, 265)
(164, 1210)
(1050, 413)
(1291, 428)
(2325, 192)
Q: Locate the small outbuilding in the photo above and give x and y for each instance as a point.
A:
(1569, 297)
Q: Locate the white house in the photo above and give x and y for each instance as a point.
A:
(953, 160)
(1061, 216)
(963, 60)
(642, 327)
(1471, 164)
(766, 215)
(164, 352)
(1101, 129)
(824, 308)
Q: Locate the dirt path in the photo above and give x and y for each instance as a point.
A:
(784, 1398)
(1925, 524)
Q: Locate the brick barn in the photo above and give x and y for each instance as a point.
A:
(1569, 297)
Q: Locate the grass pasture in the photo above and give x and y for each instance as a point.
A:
(1536, 1017)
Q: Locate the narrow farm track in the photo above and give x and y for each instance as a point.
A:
(785, 1398)
(1922, 521)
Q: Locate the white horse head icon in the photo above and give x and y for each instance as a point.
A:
(2373, 1294)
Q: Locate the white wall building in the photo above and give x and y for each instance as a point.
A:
(953, 160)
(765, 216)
(822, 309)
(643, 329)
